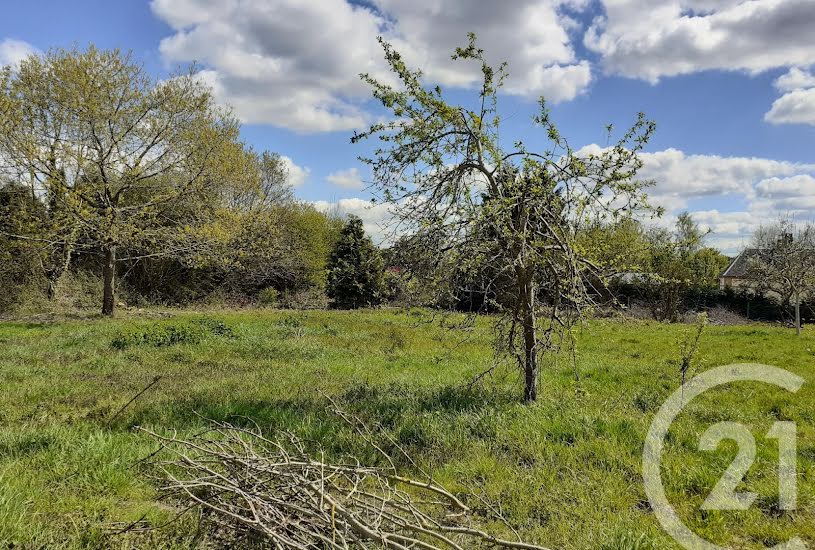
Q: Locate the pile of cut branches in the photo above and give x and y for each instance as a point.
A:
(259, 488)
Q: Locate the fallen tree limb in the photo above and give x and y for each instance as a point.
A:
(250, 484)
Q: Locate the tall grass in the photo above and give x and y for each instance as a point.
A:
(565, 471)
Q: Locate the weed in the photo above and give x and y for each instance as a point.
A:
(67, 474)
(691, 346)
(292, 326)
(170, 334)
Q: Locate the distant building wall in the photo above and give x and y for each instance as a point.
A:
(732, 282)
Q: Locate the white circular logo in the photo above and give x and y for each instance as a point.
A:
(723, 496)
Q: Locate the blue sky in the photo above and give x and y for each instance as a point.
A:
(730, 83)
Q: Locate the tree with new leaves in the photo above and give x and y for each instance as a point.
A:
(259, 181)
(22, 261)
(671, 266)
(120, 155)
(666, 267)
(355, 269)
(621, 245)
(503, 209)
(783, 263)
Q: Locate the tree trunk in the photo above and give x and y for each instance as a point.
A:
(798, 313)
(530, 338)
(108, 279)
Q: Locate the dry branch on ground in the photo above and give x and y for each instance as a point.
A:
(274, 490)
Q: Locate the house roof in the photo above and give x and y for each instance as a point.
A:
(738, 267)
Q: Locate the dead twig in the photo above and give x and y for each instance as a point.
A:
(126, 405)
(247, 482)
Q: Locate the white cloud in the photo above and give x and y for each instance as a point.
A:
(733, 231)
(557, 82)
(683, 177)
(760, 191)
(12, 52)
(650, 39)
(726, 223)
(297, 174)
(768, 189)
(797, 105)
(532, 35)
(284, 62)
(795, 195)
(377, 218)
(730, 231)
(796, 186)
(347, 179)
(295, 64)
(680, 177)
(795, 79)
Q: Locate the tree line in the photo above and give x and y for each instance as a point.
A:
(106, 170)
(146, 184)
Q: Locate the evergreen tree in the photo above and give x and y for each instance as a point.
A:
(355, 269)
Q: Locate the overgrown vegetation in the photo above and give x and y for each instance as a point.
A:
(169, 334)
(108, 171)
(71, 473)
(120, 189)
(690, 347)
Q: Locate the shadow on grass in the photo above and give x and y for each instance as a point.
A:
(387, 404)
(397, 414)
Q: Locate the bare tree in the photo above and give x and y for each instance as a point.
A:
(783, 263)
(512, 213)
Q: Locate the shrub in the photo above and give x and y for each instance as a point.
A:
(312, 298)
(161, 335)
(78, 290)
(268, 297)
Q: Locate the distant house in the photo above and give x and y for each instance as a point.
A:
(736, 273)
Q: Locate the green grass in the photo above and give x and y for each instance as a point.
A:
(566, 470)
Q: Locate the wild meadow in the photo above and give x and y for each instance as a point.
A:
(564, 471)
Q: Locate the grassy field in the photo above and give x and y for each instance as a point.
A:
(566, 470)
